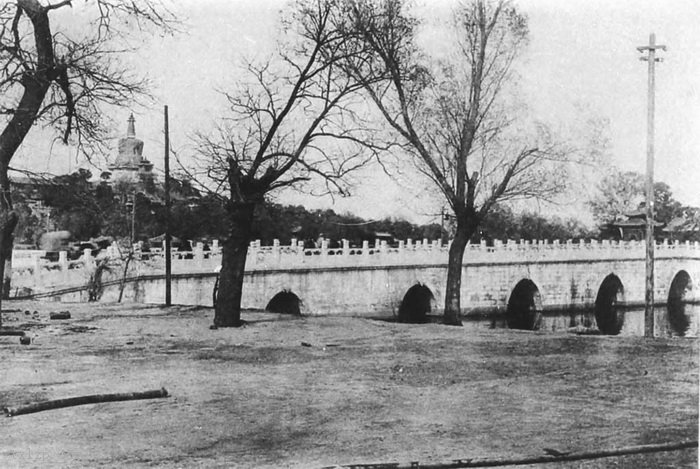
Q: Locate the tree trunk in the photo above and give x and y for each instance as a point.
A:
(8, 221)
(7, 278)
(227, 312)
(453, 291)
(36, 81)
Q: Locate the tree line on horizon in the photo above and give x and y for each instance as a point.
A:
(89, 210)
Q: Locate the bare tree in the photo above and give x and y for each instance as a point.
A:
(452, 114)
(293, 122)
(59, 75)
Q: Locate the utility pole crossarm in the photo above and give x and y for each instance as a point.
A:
(651, 46)
(651, 49)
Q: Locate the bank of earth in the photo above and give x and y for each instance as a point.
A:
(320, 391)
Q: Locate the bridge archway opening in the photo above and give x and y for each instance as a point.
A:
(678, 295)
(608, 311)
(416, 304)
(524, 306)
(285, 302)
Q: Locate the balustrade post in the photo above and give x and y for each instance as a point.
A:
(252, 256)
(63, 260)
(88, 259)
(346, 248)
(199, 254)
(365, 248)
(113, 250)
(324, 250)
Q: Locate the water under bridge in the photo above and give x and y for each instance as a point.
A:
(518, 281)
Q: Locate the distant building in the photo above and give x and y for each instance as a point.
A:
(131, 166)
(684, 228)
(633, 228)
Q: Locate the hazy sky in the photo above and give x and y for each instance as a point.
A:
(581, 54)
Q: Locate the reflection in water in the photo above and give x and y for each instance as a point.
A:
(678, 319)
(681, 320)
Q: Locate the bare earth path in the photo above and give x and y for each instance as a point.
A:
(359, 391)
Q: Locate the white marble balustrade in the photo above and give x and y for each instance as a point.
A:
(32, 271)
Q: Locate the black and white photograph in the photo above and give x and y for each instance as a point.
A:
(349, 234)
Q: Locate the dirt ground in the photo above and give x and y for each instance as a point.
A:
(323, 391)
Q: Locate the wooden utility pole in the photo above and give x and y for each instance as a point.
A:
(649, 288)
(168, 256)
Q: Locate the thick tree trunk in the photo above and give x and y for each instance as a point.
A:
(8, 221)
(36, 81)
(453, 291)
(227, 312)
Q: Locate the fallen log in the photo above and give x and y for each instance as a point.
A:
(92, 399)
(524, 461)
(14, 332)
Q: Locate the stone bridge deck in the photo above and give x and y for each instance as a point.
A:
(373, 280)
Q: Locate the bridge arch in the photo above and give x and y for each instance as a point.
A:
(417, 302)
(524, 306)
(285, 302)
(679, 293)
(608, 305)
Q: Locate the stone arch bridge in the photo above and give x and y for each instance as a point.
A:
(514, 280)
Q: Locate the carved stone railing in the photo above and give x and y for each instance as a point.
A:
(33, 272)
(433, 252)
